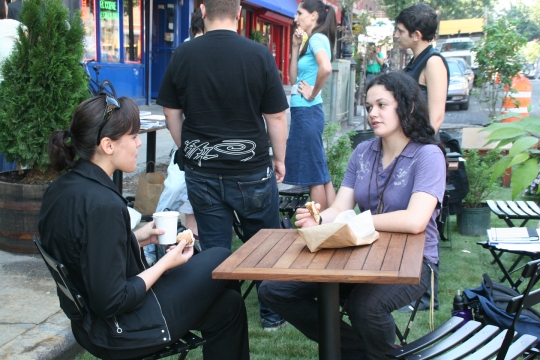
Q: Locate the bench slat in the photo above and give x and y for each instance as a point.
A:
(533, 206)
(502, 205)
(479, 339)
(521, 345)
(490, 349)
(515, 208)
(495, 209)
(527, 209)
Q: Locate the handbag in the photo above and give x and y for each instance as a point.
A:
(149, 189)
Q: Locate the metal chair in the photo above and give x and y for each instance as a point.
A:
(61, 277)
(452, 340)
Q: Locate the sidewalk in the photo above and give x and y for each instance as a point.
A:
(32, 326)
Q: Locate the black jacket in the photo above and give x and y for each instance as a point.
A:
(85, 224)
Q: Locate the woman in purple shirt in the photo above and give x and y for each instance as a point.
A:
(400, 177)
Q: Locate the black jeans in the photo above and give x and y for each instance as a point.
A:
(369, 307)
(191, 300)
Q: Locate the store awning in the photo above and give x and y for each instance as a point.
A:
(284, 7)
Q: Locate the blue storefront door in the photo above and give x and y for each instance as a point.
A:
(164, 33)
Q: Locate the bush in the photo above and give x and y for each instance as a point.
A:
(43, 82)
(479, 175)
(338, 150)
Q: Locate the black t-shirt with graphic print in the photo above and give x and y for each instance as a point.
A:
(223, 83)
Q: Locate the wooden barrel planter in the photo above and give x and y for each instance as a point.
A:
(19, 211)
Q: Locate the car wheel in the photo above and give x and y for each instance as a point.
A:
(464, 106)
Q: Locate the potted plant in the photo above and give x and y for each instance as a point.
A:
(475, 217)
(43, 83)
(338, 150)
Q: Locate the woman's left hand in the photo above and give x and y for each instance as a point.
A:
(305, 90)
(148, 234)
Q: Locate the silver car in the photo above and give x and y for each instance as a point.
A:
(465, 68)
(458, 88)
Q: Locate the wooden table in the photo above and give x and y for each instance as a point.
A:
(150, 154)
(281, 255)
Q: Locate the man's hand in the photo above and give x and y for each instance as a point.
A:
(279, 169)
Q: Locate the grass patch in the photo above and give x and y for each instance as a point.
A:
(460, 268)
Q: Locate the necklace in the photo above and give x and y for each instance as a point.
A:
(380, 203)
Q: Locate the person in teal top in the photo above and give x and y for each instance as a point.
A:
(375, 59)
(311, 65)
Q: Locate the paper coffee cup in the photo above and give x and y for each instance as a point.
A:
(168, 221)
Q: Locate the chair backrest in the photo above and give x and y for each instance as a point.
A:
(529, 298)
(60, 275)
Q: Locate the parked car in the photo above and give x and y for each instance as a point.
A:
(458, 89)
(529, 70)
(461, 47)
(465, 68)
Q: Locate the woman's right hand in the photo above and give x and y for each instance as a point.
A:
(304, 218)
(298, 37)
(177, 255)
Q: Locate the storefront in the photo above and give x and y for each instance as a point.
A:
(270, 23)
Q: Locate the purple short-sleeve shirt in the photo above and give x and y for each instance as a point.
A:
(420, 168)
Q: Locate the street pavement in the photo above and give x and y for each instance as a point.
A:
(32, 326)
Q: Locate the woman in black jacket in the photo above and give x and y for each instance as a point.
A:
(84, 223)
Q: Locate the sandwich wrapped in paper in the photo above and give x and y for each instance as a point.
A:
(348, 229)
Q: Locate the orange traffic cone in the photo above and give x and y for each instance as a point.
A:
(520, 101)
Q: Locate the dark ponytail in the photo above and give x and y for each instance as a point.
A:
(80, 139)
(326, 23)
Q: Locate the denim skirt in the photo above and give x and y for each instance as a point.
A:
(305, 160)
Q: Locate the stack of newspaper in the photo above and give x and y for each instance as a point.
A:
(515, 238)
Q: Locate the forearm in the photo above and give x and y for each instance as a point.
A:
(152, 274)
(277, 132)
(401, 221)
(174, 120)
(293, 68)
(322, 76)
(436, 114)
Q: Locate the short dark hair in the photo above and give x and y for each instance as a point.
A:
(197, 23)
(80, 139)
(3, 14)
(412, 107)
(221, 9)
(419, 17)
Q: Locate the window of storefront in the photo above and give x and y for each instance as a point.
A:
(132, 30)
(110, 34)
(89, 21)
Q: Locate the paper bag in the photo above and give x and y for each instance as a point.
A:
(149, 190)
(348, 229)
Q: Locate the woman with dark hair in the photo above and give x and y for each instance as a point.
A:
(132, 310)
(400, 177)
(311, 65)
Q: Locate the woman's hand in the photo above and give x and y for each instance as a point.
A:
(304, 218)
(148, 234)
(306, 90)
(298, 37)
(177, 254)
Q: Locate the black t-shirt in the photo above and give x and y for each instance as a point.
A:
(223, 83)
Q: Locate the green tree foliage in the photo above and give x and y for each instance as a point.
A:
(448, 9)
(523, 156)
(525, 25)
(498, 62)
(43, 82)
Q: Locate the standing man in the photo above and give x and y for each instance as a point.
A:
(229, 89)
(14, 9)
(415, 29)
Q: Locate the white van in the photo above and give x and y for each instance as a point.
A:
(461, 48)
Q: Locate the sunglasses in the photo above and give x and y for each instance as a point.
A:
(112, 104)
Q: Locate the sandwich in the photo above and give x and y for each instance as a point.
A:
(313, 211)
(186, 235)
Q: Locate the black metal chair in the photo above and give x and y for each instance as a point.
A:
(474, 341)
(61, 277)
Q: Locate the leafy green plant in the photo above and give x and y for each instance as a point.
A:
(498, 62)
(479, 176)
(257, 36)
(523, 156)
(43, 82)
(338, 150)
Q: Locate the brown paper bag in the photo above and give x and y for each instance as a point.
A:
(339, 234)
(149, 190)
(333, 236)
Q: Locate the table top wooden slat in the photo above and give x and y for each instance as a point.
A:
(393, 257)
(282, 255)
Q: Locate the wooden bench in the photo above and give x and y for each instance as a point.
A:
(515, 210)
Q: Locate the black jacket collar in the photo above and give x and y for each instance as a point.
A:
(93, 172)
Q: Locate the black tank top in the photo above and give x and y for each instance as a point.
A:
(416, 65)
